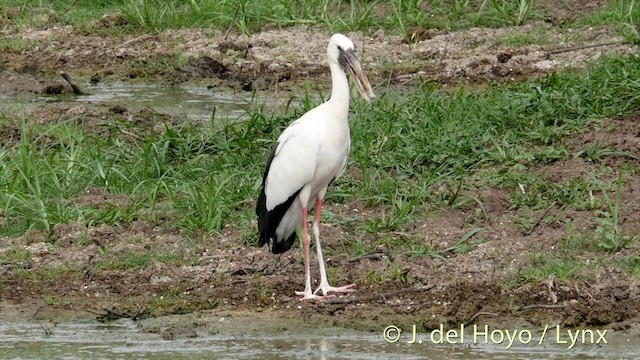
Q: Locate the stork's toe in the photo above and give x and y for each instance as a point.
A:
(325, 288)
(311, 296)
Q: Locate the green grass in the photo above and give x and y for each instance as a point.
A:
(249, 16)
(624, 14)
(543, 265)
(398, 275)
(609, 235)
(538, 36)
(203, 177)
(14, 45)
(579, 252)
(19, 257)
(135, 260)
(51, 273)
(631, 265)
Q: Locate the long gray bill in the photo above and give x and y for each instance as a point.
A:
(359, 77)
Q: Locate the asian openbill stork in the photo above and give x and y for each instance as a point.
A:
(309, 155)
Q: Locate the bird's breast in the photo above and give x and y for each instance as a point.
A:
(332, 159)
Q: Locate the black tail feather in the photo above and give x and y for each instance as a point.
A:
(282, 246)
(268, 221)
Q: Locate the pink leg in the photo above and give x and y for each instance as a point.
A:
(306, 294)
(324, 283)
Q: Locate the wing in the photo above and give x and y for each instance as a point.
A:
(293, 165)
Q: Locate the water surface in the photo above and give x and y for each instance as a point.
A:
(196, 102)
(126, 339)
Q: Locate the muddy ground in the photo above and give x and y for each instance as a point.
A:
(278, 58)
(228, 277)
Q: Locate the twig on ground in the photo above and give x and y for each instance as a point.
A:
(541, 218)
(372, 256)
(37, 310)
(550, 282)
(380, 298)
(76, 89)
(47, 331)
(582, 47)
(480, 313)
(108, 314)
(542, 306)
(226, 33)
(130, 41)
(592, 300)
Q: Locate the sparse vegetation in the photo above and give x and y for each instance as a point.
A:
(631, 264)
(134, 260)
(249, 16)
(608, 234)
(542, 266)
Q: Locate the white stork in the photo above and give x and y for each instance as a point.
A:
(309, 155)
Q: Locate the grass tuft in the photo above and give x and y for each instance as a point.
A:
(399, 17)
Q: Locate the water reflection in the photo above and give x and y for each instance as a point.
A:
(126, 339)
(196, 102)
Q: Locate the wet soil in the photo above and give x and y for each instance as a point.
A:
(283, 58)
(219, 273)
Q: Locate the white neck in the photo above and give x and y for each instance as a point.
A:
(339, 88)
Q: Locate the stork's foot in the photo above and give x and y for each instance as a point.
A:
(325, 288)
(310, 296)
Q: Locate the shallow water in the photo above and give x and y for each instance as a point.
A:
(196, 102)
(192, 101)
(125, 339)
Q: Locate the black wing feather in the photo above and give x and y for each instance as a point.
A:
(268, 221)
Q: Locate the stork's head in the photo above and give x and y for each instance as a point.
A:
(342, 52)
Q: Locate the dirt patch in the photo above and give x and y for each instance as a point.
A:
(571, 9)
(100, 120)
(275, 57)
(619, 138)
(462, 288)
(572, 168)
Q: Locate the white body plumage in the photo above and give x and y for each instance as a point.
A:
(309, 155)
(312, 152)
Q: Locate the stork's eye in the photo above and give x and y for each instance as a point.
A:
(339, 48)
